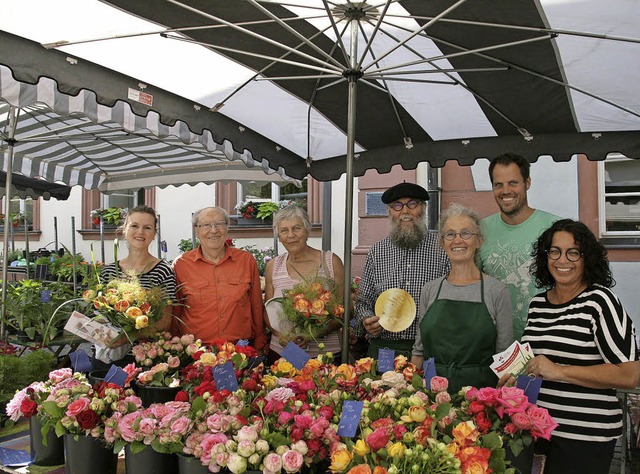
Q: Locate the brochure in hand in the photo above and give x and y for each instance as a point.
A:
(512, 360)
(101, 333)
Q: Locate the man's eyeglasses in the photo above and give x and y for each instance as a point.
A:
(211, 225)
(398, 206)
(465, 235)
(573, 255)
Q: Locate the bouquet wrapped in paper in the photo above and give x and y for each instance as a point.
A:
(309, 308)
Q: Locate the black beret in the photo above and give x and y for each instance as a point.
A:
(404, 190)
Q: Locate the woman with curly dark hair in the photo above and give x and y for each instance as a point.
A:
(585, 347)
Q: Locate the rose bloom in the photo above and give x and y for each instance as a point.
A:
(346, 371)
(317, 307)
(521, 421)
(513, 399)
(236, 463)
(88, 419)
(439, 384)
(361, 448)
(283, 367)
(360, 469)
(28, 407)
(121, 306)
(77, 406)
(141, 321)
(133, 312)
(443, 397)
(302, 306)
(57, 376)
(483, 422)
(340, 459)
(208, 359)
(487, 395)
(364, 365)
(542, 423)
(417, 414)
(272, 462)
(465, 433)
(292, 461)
(378, 439)
(392, 379)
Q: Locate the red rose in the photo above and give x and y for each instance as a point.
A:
(483, 422)
(476, 406)
(182, 396)
(325, 412)
(28, 408)
(250, 385)
(88, 419)
(378, 439)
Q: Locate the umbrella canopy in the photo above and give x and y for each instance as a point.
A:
(437, 80)
(24, 187)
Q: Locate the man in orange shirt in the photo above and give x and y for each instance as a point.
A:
(219, 286)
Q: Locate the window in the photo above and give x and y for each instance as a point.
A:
(620, 201)
(266, 191)
(19, 209)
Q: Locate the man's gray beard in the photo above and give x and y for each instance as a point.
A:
(410, 238)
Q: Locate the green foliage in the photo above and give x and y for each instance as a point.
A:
(185, 245)
(110, 215)
(262, 256)
(61, 268)
(267, 209)
(31, 306)
(18, 372)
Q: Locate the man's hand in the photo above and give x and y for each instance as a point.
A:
(372, 326)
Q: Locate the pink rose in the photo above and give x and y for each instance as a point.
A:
(302, 421)
(488, 395)
(77, 406)
(57, 376)
(174, 362)
(378, 439)
(285, 417)
(247, 433)
(443, 397)
(542, 423)
(513, 399)
(325, 412)
(439, 384)
(147, 426)
(181, 426)
(218, 422)
(272, 462)
(125, 426)
(521, 421)
(292, 461)
(307, 385)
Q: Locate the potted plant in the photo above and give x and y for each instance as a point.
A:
(109, 215)
(31, 309)
(251, 212)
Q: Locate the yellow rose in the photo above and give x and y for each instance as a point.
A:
(285, 368)
(465, 433)
(208, 359)
(340, 459)
(364, 365)
(346, 371)
(453, 448)
(396, 449)
(89, 295)
(269, 381)
(417, 414)
(133, 312)
(361, 448)
(142, 322)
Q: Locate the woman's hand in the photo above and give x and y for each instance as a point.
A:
(372, 326)
(507, 379)
(542, 367)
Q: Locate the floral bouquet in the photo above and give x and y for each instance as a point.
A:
(74, 407)
(310, 307)
(126, 305)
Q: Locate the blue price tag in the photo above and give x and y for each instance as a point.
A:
(530, 385)
(225, 377)
(295, 356)
(116, 376)
(242, 343)
(14, 457)
(351, 411)
(429, 367)
(163, 245)
(45, 296)
(386, 359)
(80, 361)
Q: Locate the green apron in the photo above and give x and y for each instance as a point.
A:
(461, 337)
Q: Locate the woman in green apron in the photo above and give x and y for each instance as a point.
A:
(466, 316)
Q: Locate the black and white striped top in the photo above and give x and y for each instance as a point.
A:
(389, 266)
(160, 275)
(591, 329)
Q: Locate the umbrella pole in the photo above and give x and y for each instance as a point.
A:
(5, 234)
(352, 76)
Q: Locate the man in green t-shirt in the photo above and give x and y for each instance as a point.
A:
(508, 235)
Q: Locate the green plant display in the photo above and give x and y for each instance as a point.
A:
(31, 305)
(267, 209)
(18, 372)
(110, 215)
(186, 244)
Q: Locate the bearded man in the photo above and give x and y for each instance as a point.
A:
(407, 258)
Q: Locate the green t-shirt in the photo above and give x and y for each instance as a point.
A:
(506, 255)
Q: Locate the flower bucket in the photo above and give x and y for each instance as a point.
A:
(150, 395)
(97, 376)
(50, 455)
(191, 465)
(149, 461)
(88, 455)
(523, 462)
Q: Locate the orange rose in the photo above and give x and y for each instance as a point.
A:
(338, 310)
(298, 296)
(380, 470)
(133, 312)
(301, 306)
(121, 305)
(408, 372)
(317, 288)
(346, 371)
(326, 296)
(360, 469)
(465, 433)
(145, 308)
(317, 307)
(364, 365)
(100, 302)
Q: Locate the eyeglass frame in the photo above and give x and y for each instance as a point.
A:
(566, 253)
(453, 235)
(212, 225)
(410, 204)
